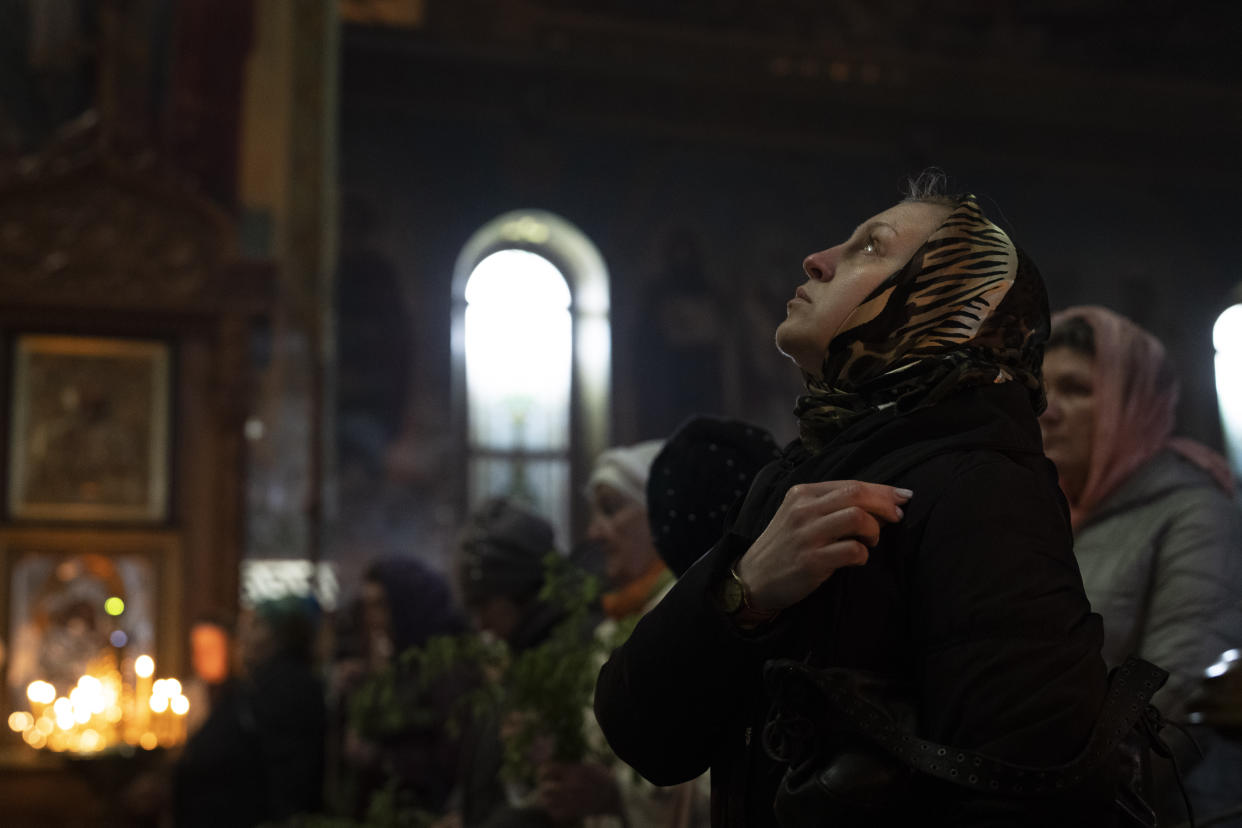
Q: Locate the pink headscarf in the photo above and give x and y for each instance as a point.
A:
(1135, 396)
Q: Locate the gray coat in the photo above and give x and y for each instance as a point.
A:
(1161, 560)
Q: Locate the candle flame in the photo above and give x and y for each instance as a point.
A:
(101, 711)
(41, 692)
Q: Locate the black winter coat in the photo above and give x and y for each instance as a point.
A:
(973, 601)
(259, 755)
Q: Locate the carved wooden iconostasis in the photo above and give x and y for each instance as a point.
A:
(126, 322)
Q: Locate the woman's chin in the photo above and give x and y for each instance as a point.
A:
(1058, 459)
(797, 356)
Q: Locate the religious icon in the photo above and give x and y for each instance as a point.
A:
(67, 612)
(89, 429)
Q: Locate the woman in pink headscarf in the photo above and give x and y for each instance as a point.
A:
(1156, 534)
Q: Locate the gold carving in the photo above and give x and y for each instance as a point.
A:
(83, 227)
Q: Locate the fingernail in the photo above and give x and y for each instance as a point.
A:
(905, 492)
(900, 513)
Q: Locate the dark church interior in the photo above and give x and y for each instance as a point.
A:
(254, 395)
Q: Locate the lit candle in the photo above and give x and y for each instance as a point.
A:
(159, 703)
(180, 706)
(159, 706)
(41, 694)
(144, 669)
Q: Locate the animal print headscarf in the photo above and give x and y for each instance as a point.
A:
(968, 309)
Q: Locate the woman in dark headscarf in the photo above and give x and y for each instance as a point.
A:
(501, 563)
(405, 603)
(501, 568)
(259, 755)
(912, 541)
(394, 730)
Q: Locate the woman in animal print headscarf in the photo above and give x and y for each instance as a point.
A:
(914, 535)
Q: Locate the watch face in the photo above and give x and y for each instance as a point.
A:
(731, 597)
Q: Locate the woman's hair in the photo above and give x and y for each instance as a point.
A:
(1073, 332)
(930, 187)
(420, 602)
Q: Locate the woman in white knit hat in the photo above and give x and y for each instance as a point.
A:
(611, 795)
(617, 495)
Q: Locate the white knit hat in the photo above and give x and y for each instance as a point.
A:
(626, 468)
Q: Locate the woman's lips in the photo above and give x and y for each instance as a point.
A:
(801, 293)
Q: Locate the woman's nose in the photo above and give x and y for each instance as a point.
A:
(1052, 412)
(819, 266)
(595, 528)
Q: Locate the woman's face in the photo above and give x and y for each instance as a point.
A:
(498, 615)
(1068, 424)
(839, 278)
(619, 524)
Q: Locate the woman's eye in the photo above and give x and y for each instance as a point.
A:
(871, 247)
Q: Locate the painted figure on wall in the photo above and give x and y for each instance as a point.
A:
(682, 355)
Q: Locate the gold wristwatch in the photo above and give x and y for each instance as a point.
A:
(735, 600)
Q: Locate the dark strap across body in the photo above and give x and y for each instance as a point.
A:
(826, 724)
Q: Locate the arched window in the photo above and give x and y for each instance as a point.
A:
(531, 363)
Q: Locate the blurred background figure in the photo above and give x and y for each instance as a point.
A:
(258, 756)
(617, 499)
(1156, 534)
(212, 660)
(704, 469)
(500, 571)
(393, 735)
(612, 794)
(696, 481)
(500, 568)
